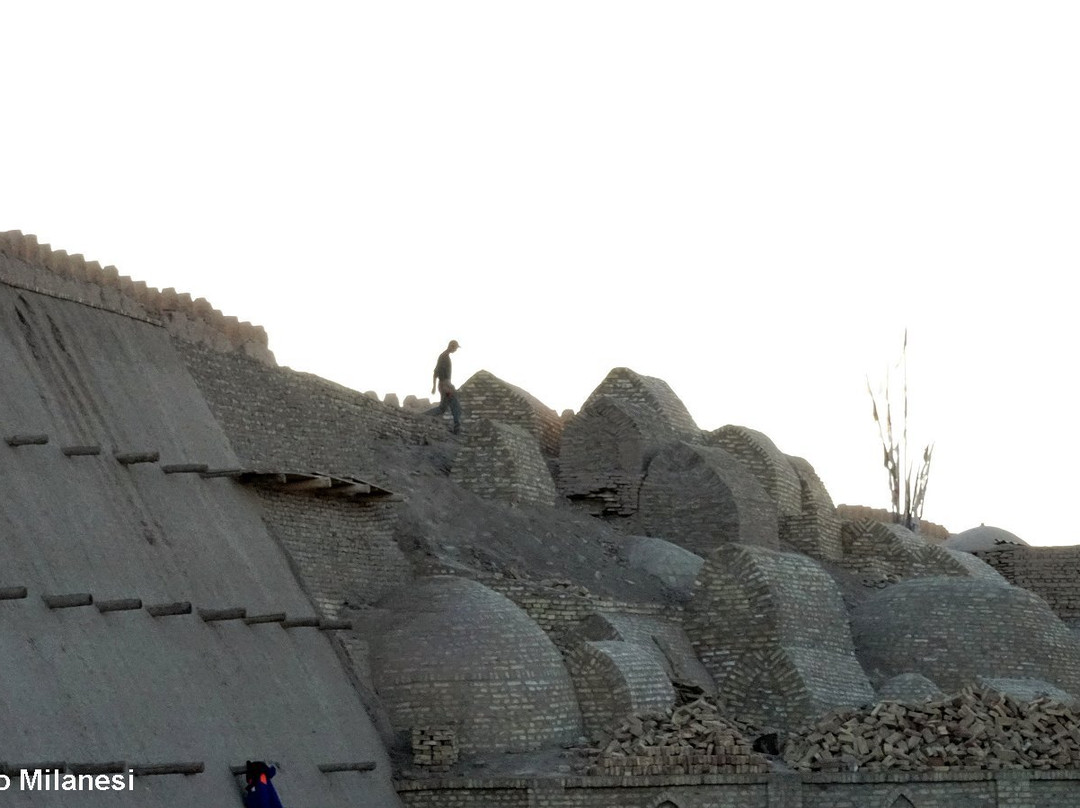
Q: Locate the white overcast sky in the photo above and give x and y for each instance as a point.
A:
(749, 200)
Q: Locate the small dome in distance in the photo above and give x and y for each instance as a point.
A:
(983, 537)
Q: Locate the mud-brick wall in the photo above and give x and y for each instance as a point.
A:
(1053, 573)
(963, 788)
(343, 550)
(279, 419)
(558, 612)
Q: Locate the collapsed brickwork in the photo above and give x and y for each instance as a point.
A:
(273, 468)
(607, 446)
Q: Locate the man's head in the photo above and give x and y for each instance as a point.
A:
(453, 346)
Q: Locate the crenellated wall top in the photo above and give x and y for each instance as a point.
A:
(40, 268)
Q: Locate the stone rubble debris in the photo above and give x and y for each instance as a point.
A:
(976, 728)
(692, 738)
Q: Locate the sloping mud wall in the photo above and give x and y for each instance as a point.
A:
(85, 686)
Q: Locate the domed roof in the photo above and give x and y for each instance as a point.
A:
(455, 653)
(983, 537)
(953, 630)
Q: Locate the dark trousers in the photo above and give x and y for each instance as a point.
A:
(448, 402)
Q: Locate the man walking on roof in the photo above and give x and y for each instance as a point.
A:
(440, 378)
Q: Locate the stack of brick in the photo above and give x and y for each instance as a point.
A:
(434, 748)
(485, 396)
(771, 628)
(701, 497)
(691, 739)
(503, 462)
(977, 728)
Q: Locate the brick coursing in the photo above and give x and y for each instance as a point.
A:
(771, 629)
(701, 497)
(280, 419)
(26, 264)
(614, 680)
(605, 450)
(344, 550)
(662, 637)
(816, 529)
(485, 396)
(1053, 573)
(890, 551)
(955, 630)
(457, 654)
(653, 396)
(502, 462)
(769, 465)
(952, 789)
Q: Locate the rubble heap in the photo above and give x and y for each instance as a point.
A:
(689, 739)
(977, 728)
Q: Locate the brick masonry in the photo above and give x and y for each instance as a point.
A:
(502, 461)
(816, 529)
(485, 396)
(889, 551)
(953, 789)
(277, 418)
(701, 497)
(26, 264)
(772, 630)
(768, 464)
(344, 550)
(615, 679)
(1053, 573)
(956, 630)
(653, 396)
(456, 654)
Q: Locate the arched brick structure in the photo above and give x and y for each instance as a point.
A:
(455, 653)
(768, 464)
(771, 628)
(955, 630)
(605, 450)
(700, 497)
(486, 396)
(500, 461)
(653, 396)
(615, 679)
(816, 530)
